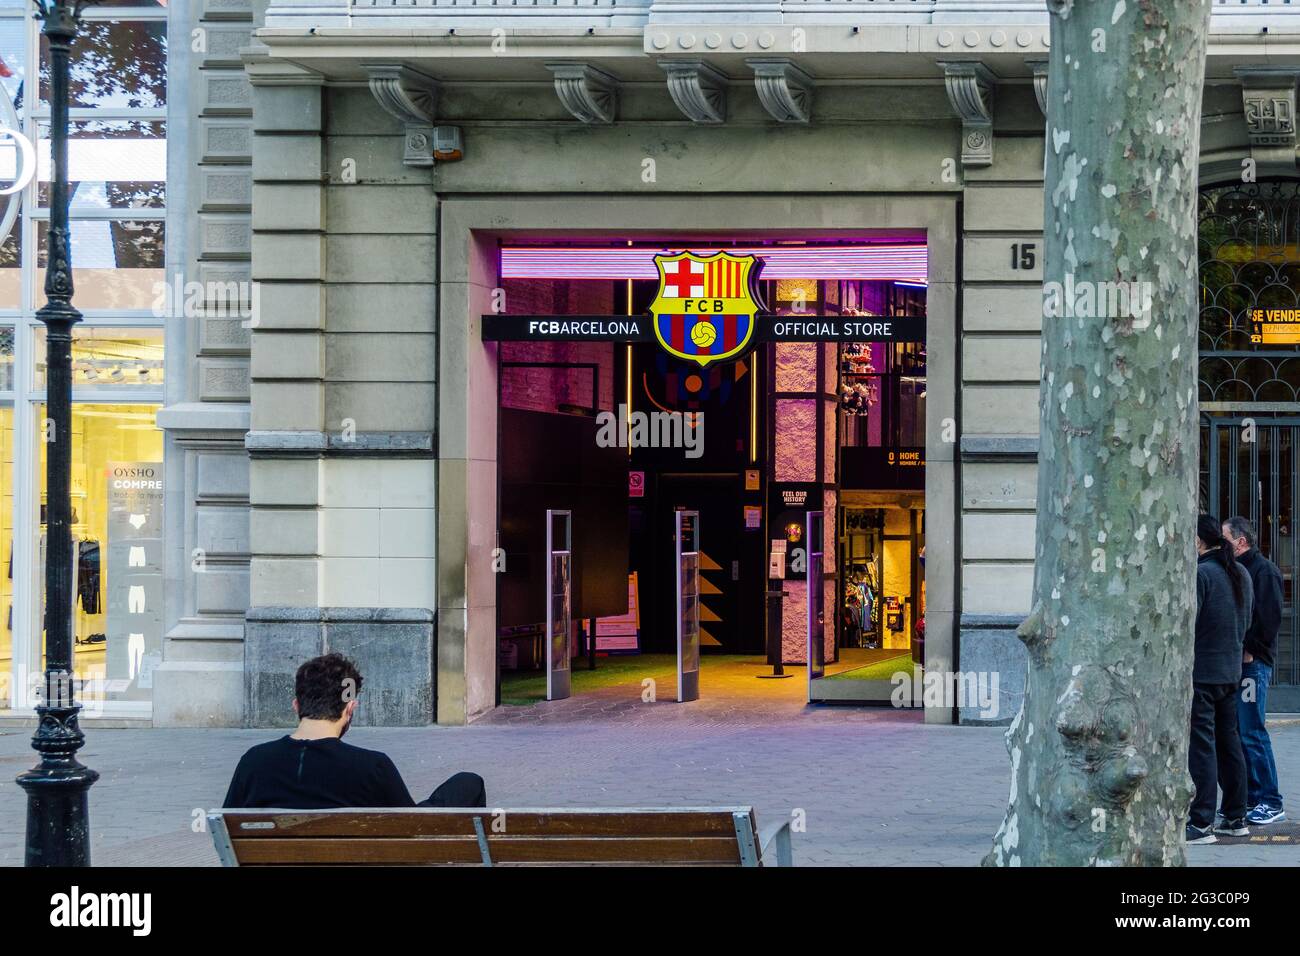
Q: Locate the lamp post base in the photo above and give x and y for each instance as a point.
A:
(58, 814)
(58, 805)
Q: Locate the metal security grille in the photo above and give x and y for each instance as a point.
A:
(1249, 467)
(1250, 391)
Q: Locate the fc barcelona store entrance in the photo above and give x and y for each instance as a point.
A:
(734, 386)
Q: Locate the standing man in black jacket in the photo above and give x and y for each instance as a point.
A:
(1223, 604)
(1264, 797)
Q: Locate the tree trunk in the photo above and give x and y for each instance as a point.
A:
(1099, 748)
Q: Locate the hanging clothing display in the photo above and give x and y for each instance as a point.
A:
(862, 603)
(88, 576)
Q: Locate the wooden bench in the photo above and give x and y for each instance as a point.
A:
(689, 836)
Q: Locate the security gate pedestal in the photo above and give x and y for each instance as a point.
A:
(559, 602)
(688, 604)
(814, 537)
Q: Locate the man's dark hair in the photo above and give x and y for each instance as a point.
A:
(324, 685)
(1210, 531)
(1242, 528)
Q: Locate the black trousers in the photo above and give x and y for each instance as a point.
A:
(467, 790)
(1214, 755)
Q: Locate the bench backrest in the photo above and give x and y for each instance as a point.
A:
(691, 836)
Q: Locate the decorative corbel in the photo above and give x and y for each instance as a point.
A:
(1040, 82)
(591, 95)
(699, 90)
(785, 91)
(970, 88)
(1268, 103)
(411, 97)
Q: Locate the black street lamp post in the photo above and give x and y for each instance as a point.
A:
(58, 814)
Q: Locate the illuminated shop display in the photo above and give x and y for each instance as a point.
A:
(118, 165)
(876, 262)
(799, 415)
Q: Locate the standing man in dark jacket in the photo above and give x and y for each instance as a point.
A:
(1223, 605)
(1262, 793)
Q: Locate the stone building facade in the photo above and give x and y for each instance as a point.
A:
(333, 461)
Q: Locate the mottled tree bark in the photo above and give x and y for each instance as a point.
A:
(1099, 749)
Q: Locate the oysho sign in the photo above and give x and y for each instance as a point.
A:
(131, 477)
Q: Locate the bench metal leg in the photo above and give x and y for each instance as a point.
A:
(221, 839)
(745, 838)
(482, 840)
(778, 834)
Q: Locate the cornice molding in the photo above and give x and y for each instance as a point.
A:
(589, 94)
(970, 87)
(1040, 82)
(411, 97)
(1268, 105)
(699, 90)
(263, 70)
(785, 91)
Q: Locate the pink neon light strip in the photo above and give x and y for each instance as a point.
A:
(901, 263)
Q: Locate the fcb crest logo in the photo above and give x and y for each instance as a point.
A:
(705, 310)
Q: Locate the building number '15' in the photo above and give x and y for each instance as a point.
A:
(1022, 255)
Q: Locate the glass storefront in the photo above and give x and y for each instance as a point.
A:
(117, 160)
(791, 427)
(117, 487)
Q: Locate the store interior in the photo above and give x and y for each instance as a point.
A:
(873, 484)
(117, 515)
(114, 625)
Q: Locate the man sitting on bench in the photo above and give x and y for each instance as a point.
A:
(313, 769)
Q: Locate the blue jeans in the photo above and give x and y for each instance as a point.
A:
(1261, 769)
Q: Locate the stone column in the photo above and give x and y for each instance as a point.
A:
(341, 443)
(467, 484)
(209, 183)
(1002, 308)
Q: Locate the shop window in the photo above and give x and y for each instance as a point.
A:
(118, 64)
(117, 531)
(112, 164)
(117, 264)
(1249, 238)
(109, 357)
(7, 543)
(11, 281)
(6, 358)
(118, 195)
(13, 45)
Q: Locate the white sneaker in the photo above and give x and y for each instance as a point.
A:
(1264, 814)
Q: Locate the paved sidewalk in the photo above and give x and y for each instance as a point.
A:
(877, 786)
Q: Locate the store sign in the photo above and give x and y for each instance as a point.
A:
(705, 311)
(1275, 326)
(135, 577)
(905, 458)
(15, 177)
(788, 506)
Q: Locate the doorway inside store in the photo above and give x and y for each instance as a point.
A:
(757, 442)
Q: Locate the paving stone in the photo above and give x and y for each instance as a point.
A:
(877, 787)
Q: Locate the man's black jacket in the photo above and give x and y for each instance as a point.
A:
(1261, 636)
